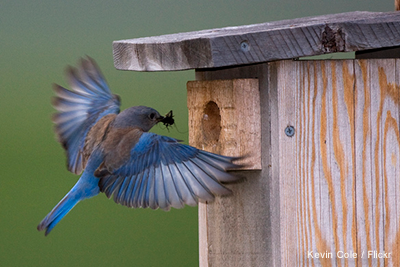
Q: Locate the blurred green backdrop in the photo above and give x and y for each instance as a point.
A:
(38, 39)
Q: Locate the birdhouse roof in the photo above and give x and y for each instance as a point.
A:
(243, 45)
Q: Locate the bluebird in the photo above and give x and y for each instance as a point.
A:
(118, 156)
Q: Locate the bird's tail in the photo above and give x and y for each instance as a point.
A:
(58, 212)
(86, 187)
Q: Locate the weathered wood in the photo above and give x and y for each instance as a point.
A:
(227, 226)
(225, 118)
(332, 187)
(397, 5)
(313, 180)
(353, 31)
(339, 174)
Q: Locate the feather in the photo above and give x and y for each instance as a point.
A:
(169, 174)
(80, 108)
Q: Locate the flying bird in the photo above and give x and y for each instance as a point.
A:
(118, 156)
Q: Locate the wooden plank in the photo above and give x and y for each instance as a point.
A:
(287, 164)
(339, 173)
(379, 218)
(204, 209)
(225, 118)
(363, 148)
(332, 187)
(227, 226)
(287, 39)
(271, 132)
(203, 236)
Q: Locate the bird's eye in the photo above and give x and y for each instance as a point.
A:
(152, 116)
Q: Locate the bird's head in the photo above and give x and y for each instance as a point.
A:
(141, 117)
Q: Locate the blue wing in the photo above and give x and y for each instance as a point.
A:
(162, 173)
(80, 108)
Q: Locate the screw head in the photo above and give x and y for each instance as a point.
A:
(289, 131)
(245, 46)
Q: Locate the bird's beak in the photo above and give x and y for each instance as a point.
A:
(160, 119)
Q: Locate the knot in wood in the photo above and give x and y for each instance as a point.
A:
(333, 40)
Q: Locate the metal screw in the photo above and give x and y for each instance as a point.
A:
(245, 46)
(289, 131)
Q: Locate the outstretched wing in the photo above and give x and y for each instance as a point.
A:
(80, 108)
(162, 173)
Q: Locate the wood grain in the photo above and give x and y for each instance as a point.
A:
(232, 128)
(332, 187)
(340, 172)
(286, 39)
(227, 226)
(238, 129)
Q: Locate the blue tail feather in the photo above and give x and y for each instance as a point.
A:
(59, 211)
(86, 187)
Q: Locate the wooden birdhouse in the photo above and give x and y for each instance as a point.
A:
(323, 174)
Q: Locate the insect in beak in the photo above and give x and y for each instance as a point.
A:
(168, 120)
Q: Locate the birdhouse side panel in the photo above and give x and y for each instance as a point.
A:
(338, 162)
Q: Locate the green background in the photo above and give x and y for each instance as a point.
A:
(37, 40)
